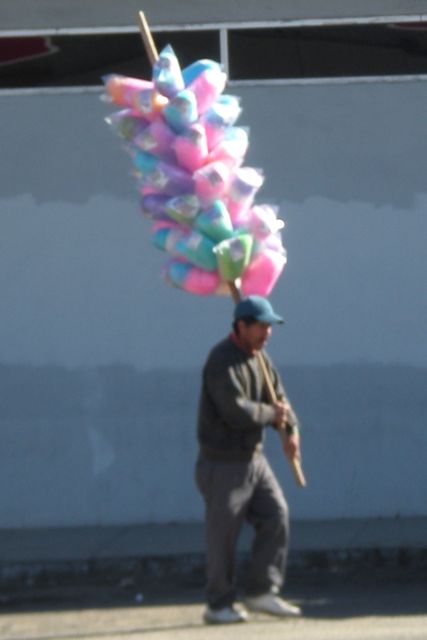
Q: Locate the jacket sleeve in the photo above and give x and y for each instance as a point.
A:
(293, 421)
(231, 403)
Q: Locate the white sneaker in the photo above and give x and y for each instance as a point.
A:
(272, 604)
(227, 615)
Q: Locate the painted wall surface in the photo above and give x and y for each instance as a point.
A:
(100, 360)
(60, 14)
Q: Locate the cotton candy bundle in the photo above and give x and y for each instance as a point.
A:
(188, 159)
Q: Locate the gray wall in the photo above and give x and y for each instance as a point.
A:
(57, 14)
(100, 360)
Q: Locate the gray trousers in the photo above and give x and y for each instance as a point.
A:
(235, 492)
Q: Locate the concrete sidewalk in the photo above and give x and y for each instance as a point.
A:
(369, 607)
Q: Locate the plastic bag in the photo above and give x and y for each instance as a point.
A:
(126, 124)
(168, 179)
(193, 70)
(222, 114)
(244, 183)
(167, 235)
(207, 86)
(197, 249)
(233, 256)
(167, 76)
(262, 273)
(181, 111)
(211, 181)
(263, 221)
(232, 147)
(191, 278)
(135, 93)
(215, 222)
(158, 138)
(154, 205)
(183, 209)
(191, 147)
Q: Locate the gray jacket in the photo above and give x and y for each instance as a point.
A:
(234, 406)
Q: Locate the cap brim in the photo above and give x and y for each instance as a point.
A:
(271, 319)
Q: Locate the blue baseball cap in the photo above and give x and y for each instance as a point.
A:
(257, 307)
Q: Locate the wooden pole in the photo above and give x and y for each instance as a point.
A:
(294, 462)
(147, 38)
(234, 291)
(153, 55)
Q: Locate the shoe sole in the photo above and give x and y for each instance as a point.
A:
(277, 614)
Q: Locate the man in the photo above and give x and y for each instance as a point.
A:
(232, 473)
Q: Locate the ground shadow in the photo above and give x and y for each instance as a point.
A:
(365, 591)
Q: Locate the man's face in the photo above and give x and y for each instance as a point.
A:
(254, 336)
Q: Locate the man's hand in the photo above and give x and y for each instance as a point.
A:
(281, 413)
(291, 445)
(290, 441)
